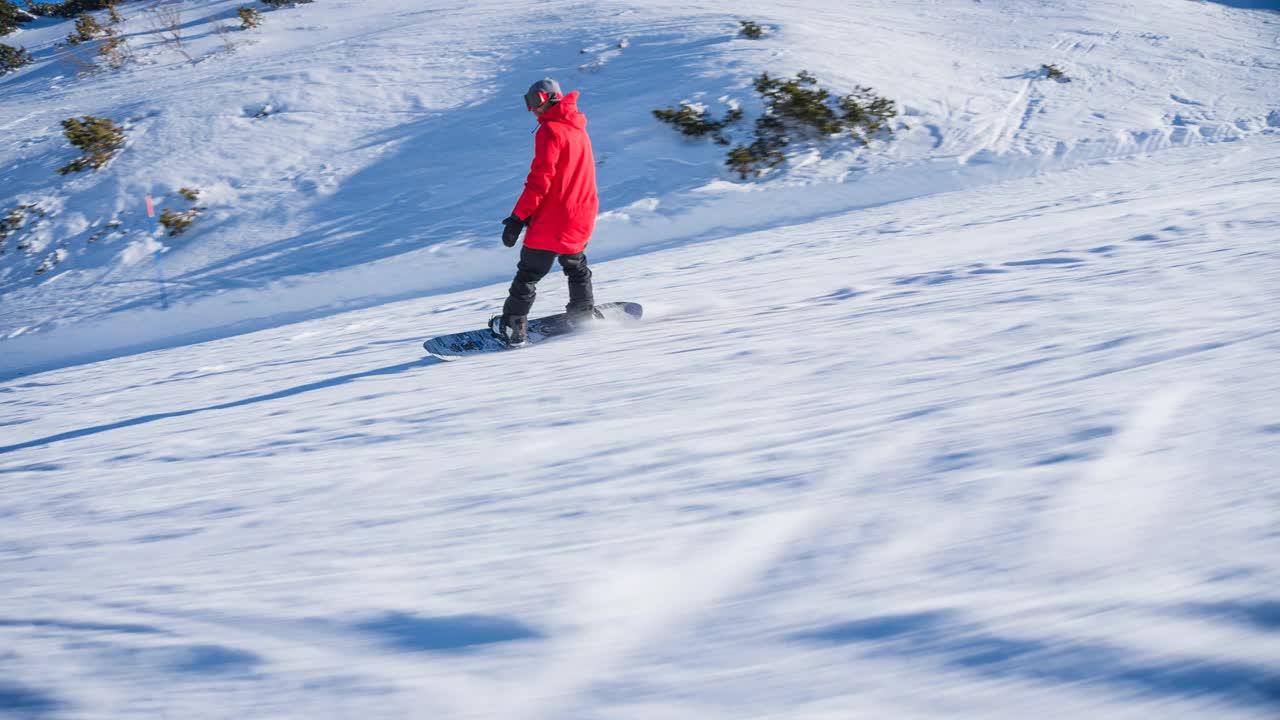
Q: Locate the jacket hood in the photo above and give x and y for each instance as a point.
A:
(565, 111)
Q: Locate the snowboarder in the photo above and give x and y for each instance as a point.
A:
(558, 206)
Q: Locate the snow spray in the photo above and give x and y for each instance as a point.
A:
(155, 225)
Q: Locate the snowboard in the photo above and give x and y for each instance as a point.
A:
(449, 347)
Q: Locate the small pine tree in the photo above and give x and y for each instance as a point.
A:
(97, 137)
(11, 16)
(249, 18)
(695, 122)
(191, 194)
(12, 58)
(764, 152)
(795, 108)
(866, 113)
(751, 30)
(8, 17)
(87, 28)
(800, 102)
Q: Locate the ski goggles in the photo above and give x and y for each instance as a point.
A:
(534, 100)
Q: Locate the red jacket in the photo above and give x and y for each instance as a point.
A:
(559, 199)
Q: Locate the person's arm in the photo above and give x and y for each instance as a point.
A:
(546, 154)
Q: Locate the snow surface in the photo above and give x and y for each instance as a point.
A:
(391, 143)
(981, 422)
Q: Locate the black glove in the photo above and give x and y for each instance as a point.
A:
(511, 230)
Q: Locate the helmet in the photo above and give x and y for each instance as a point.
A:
(541, 91)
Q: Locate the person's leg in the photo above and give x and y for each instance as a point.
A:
(513, 326)
(534, 265)
(581, 297)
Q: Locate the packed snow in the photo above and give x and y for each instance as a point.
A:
(979, 421)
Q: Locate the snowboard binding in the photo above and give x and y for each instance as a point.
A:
(513, 332)
(578, 318)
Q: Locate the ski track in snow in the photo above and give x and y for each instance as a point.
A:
(983, 425)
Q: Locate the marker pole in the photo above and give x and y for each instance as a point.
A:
(155, 225)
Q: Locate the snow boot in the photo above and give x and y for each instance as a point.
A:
(579, 313)
(511, 329)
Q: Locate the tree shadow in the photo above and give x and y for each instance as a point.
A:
(17, 701)
(449, 634)
(209, 660)
(126, 628)
(266, 397)
(964, 645)
(1262, 615)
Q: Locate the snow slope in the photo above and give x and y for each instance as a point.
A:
(981, 424)
(395, 139)
(975, 455)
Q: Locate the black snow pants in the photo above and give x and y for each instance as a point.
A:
(534, 265)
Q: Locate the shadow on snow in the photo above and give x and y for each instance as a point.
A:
(963, 645)
(287, 392)
(453, 175)
(449, 634)
(17, 701)
(127, 628)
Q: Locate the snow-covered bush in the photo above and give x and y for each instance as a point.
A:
(693, 121)
(1053, 72)
(751, 30)
(51, 260)
(107, 229)
(764, 152)
(177, 222)
(12, 58)
(249, 18)
(864, 113)
(11, 223)
(87, 28)
(794, 108)
(799, 102)
(97, 137)
(799, 107)
(808, 109)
